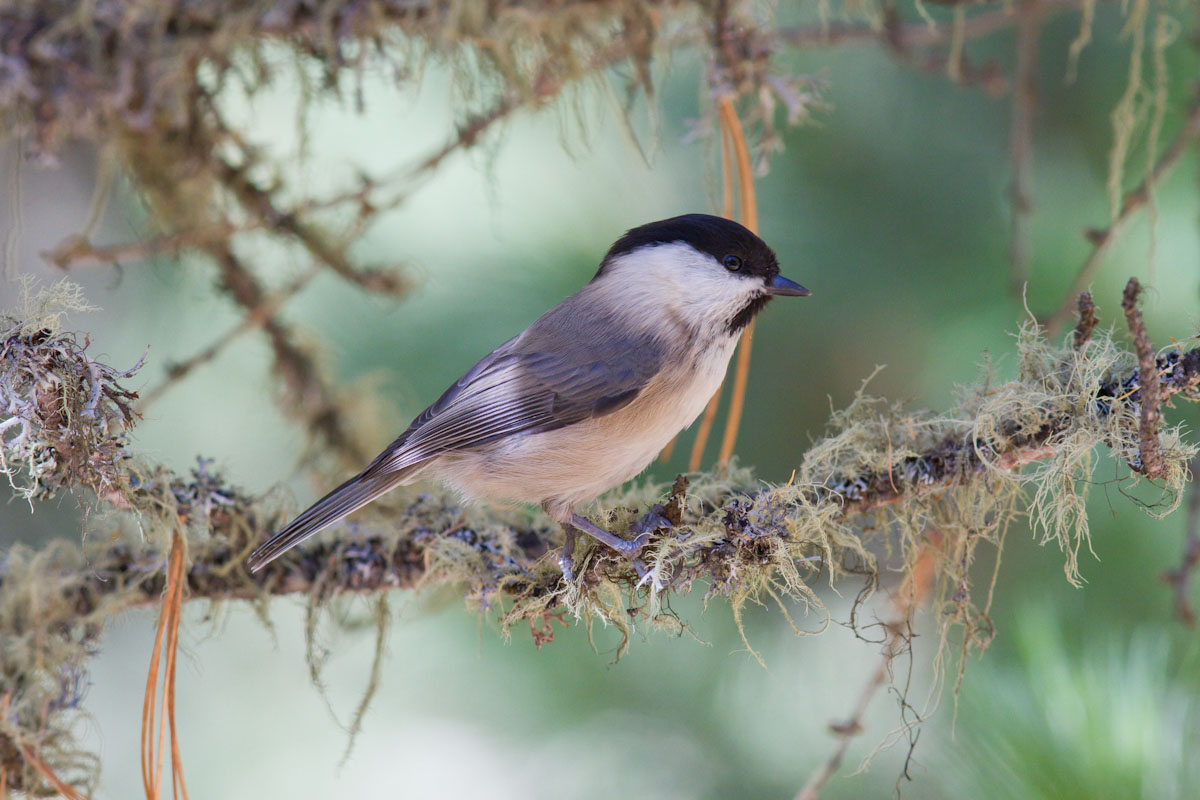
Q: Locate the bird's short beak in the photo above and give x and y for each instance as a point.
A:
(782, 287)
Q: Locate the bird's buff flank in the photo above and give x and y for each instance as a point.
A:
(584, 398)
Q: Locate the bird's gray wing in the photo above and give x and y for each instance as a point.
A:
(572, 364)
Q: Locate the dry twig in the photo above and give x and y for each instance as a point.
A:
(1103, 239)
(1149, 391)
(1180, 577)
(312, 399)
(255, 318)
(905, 602)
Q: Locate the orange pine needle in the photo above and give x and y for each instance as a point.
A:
(749, 204)
(710, 412)
(168, 623)
(726, 171)
(178, 786)
(43, 769)
(733, 148)
(148, 704)
(749, 209)
(665, 455)
(737, 398)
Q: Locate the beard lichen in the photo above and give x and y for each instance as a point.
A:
(883, 488)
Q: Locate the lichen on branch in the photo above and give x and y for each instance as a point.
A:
(874, 484)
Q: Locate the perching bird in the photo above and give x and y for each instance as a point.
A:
(585, 398)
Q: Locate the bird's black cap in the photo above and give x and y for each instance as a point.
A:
(717, 236)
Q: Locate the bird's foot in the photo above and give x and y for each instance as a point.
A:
(567, 565)
(651, 521)
(630, 548)
(565, 562)
(640, 567)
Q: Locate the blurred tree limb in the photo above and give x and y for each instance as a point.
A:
(143, 82)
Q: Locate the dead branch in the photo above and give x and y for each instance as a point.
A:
(905, 602)
(1149, 390)
(312, 399)
(903, 35)
(1103, 239)
(1180, 577)
(255, 318)
(728, 534)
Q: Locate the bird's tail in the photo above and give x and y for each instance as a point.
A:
(350, 496)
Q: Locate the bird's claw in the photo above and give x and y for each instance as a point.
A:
(567, 565)
(651, 521)
(630, 548)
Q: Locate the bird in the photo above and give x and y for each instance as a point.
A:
(586, 397)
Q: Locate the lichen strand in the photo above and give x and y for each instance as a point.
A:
(99, 70)
(881, 486)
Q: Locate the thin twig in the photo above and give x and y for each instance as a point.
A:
(314, 401)
(899, 632)
(77, 251)
(914, 34)
(1024, 106)
(260, 203)
(255, 318)
(1102, 239)
(1149, 391)
(1180, 578)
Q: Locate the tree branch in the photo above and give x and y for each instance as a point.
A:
(255, 318)
(1150, 393)
(905, 602)
(737, 538)
(1103, 239)
(904, 35)
(1180, 578)
(310, 396)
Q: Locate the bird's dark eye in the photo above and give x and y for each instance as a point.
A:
(732, 263)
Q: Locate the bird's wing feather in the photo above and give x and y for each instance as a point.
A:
(546, 378)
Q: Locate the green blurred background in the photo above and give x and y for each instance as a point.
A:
(893, 209)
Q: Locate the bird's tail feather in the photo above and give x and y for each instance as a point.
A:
(350, 496)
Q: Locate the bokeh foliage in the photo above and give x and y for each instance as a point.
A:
(906, 185)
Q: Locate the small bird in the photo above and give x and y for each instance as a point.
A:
(584, 398)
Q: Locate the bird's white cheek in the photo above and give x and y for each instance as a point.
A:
(718, 301)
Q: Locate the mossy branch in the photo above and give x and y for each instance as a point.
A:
(881, 477)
